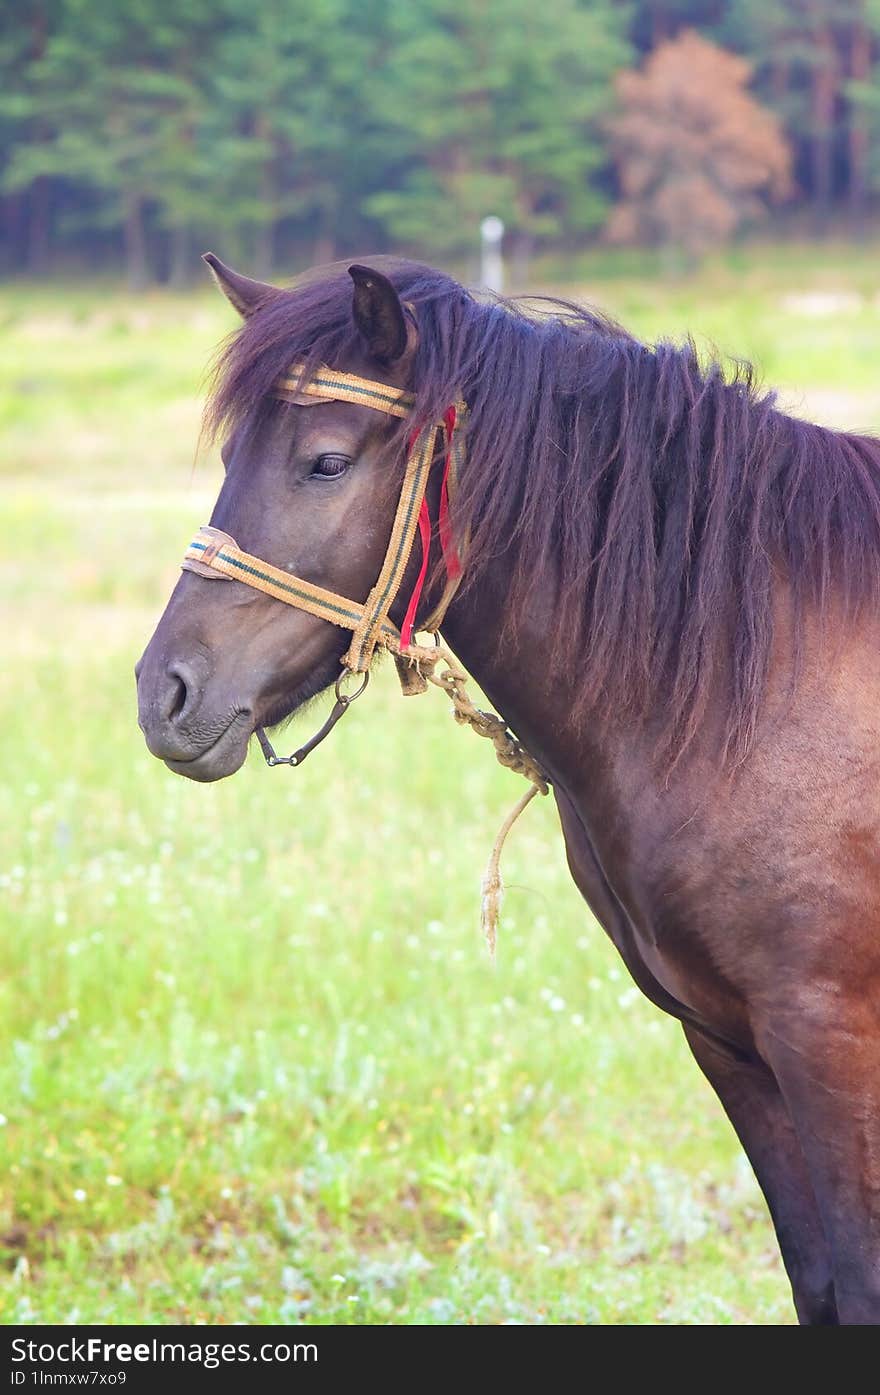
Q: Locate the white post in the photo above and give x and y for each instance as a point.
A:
(491, 260)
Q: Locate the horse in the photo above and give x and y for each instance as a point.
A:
(669, 591)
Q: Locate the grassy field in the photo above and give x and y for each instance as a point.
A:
(244, 1078)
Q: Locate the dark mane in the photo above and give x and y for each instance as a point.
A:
(657, 494)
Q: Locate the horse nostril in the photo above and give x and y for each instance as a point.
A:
(180, 692)
(178, 702)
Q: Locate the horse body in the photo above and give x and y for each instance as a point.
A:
(742, 890)
(746, 904)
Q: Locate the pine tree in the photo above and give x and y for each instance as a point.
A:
(286, 95)
(107, 101)
(493, 107)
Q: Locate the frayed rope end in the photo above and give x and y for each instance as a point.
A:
(490, 906)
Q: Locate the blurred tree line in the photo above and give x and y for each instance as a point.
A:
(298, 131)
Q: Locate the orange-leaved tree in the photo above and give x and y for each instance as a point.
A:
(696, 155)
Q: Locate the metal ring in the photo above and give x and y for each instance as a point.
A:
(348, 698)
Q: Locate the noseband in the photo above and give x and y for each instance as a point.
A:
(215, 555)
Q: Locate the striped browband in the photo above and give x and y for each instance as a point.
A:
(214, 554)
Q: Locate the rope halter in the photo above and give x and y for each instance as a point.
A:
(216, 555)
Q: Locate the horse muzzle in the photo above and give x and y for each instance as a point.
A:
(201, 743)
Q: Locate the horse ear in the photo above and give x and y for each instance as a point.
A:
(241, 292)
(378, 314)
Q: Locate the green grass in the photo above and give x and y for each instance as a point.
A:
(256, 1064)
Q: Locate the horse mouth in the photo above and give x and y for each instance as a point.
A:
(223, 757)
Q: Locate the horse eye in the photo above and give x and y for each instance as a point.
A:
(328, 467)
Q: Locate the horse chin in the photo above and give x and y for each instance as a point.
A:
(224, 757)
(311, 687)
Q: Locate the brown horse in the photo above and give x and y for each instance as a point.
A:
(670, 592)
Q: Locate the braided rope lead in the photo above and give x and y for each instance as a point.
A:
(439, 667)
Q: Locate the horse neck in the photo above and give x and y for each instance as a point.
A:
(509, 657)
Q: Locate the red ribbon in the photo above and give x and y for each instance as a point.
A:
(444, 527)
(406, 629)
